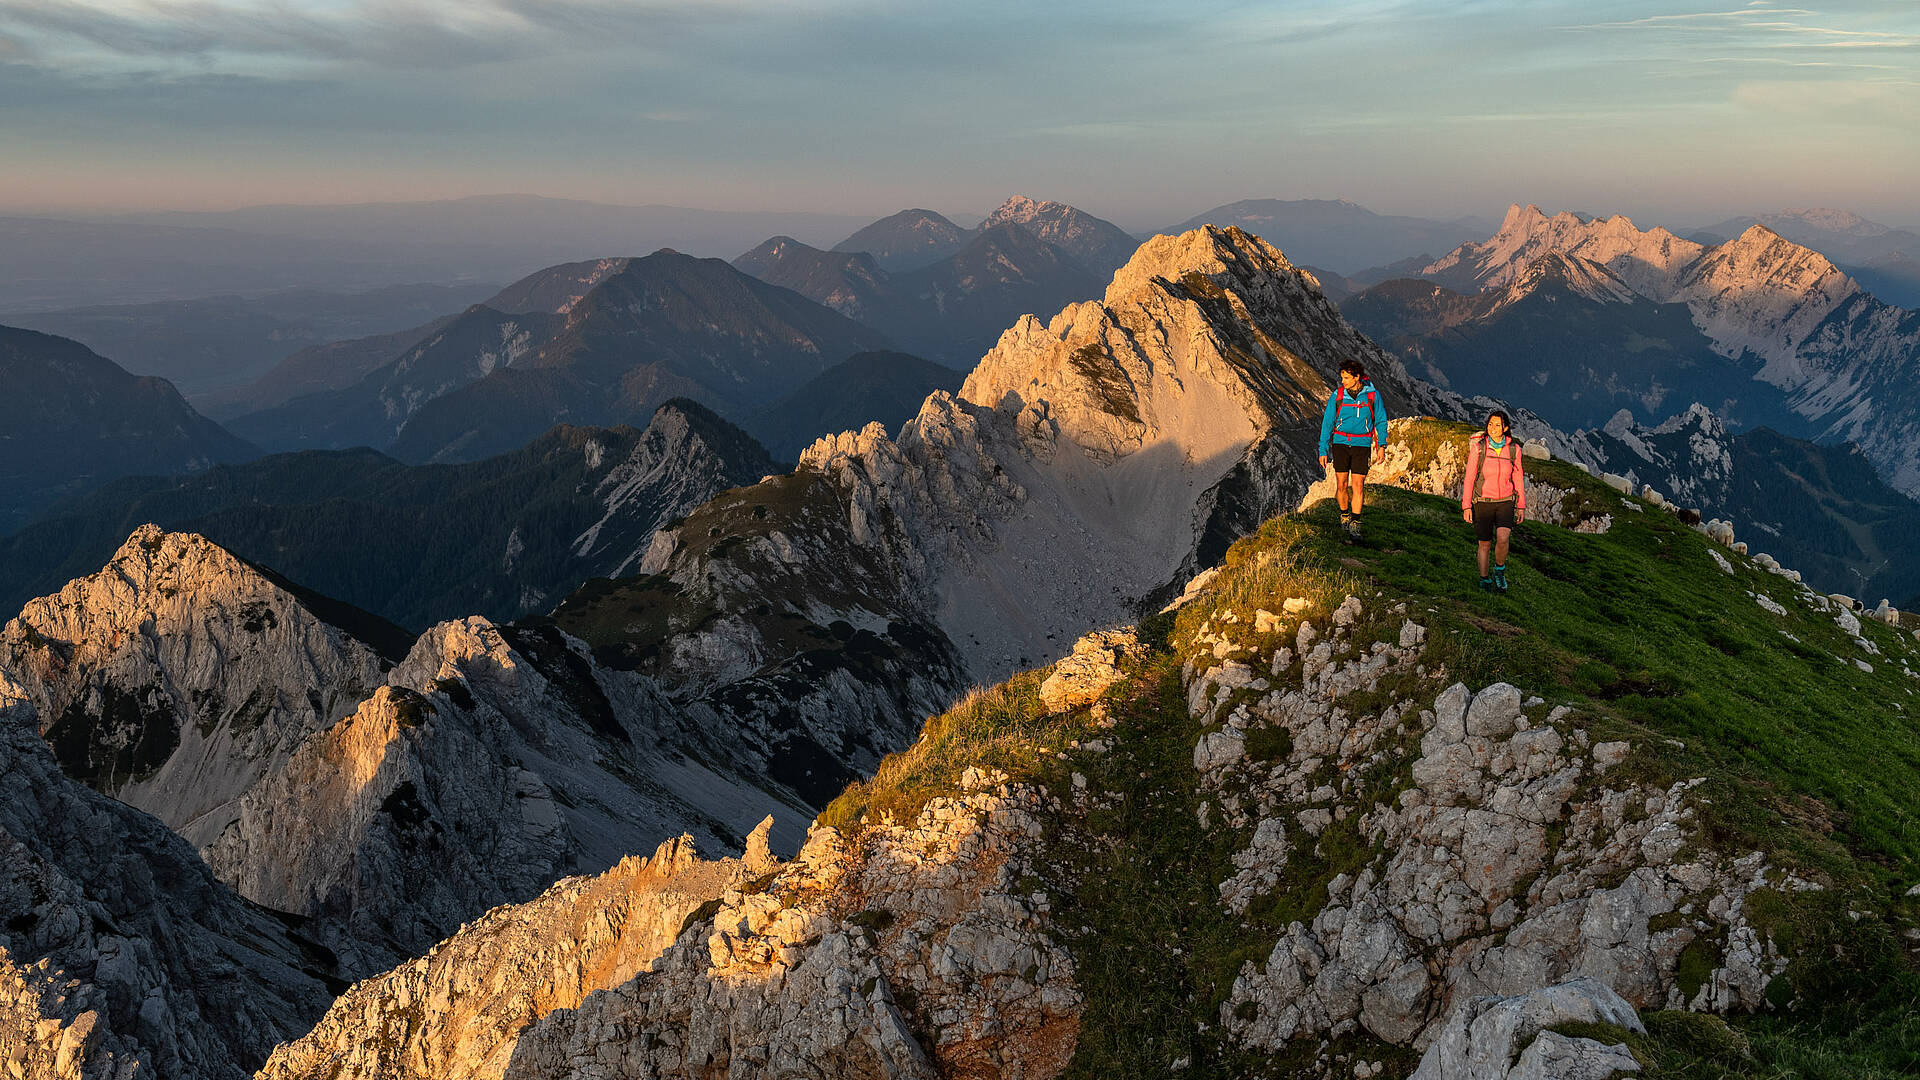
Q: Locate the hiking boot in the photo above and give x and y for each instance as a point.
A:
(1352, 525)
(1486, 584)
(1500, 578)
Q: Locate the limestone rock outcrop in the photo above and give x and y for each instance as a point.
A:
(496, 761)
(458, 1012)
(1495, 1038)
(178, 676)
(1467, 892)
(907, 950)
(1087, 672)
(120, 954)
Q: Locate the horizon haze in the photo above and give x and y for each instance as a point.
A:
(1663, 112)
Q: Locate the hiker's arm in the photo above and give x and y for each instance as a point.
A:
(1326, 427)
(1466, 486)
(1379, 426)
(1519, 486)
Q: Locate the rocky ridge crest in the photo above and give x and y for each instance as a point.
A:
(177, 676)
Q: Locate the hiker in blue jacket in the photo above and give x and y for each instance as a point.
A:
(1352, 435)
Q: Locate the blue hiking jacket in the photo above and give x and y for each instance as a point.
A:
(1355, 420)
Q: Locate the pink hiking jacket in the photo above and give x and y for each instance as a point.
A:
(1505, 478)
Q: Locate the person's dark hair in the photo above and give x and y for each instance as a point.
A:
(1505, 420)
(1354, 366)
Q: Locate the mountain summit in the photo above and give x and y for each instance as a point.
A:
(1098, 244)
(907, 240)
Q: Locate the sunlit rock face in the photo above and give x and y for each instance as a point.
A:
(178, 676)
(908, 951)
(459, 1012)
(1087, 462)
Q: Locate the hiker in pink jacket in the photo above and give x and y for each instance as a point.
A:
(1494, 497)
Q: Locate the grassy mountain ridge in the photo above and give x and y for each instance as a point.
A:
(1805, 738)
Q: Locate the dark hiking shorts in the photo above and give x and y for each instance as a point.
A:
(1488, 516)
(1350, 459)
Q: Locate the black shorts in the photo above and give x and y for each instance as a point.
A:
(1350, 459)
(1488, 516)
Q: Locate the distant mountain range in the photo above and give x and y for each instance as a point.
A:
(584, 343)
(949, 298)
(907, 240)
(1567, 338)
(221, 343)
(502, 537)
(1883, 259)
(1800, 344)
(1819, 509)
(71, 419)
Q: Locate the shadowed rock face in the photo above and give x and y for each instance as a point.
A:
(387, 805)
(496, 760)
(907, 240)
(118, 946)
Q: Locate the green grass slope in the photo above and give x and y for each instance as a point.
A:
(1807, 756)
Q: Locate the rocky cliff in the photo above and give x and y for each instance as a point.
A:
(460, 1012)
(387, 805)
(120, 955)
(1085, 463)
(496, 760)
(178, 676)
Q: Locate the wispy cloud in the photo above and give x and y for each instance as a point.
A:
(400, 33)
(1764, 26)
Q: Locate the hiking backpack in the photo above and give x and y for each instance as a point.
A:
(1480, 468)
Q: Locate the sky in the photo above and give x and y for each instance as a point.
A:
(1144, 113)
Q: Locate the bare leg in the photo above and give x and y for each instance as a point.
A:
(1485, 545)
(1500, 555)
(1340, 490)
(1359, 492)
